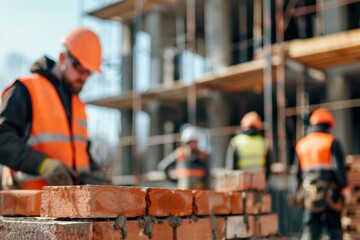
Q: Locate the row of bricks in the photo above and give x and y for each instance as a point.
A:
(176, 228)
(110, 201)
(238, 180)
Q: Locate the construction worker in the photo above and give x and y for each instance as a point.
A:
(187, 165)
(248, 149)
(43, 131)
(322, 177)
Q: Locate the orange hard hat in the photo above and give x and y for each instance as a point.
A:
(251, 120)
(322, 116)
(84, 45)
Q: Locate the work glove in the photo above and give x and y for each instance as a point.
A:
(97, 177)
(55, 173)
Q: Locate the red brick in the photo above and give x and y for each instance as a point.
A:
(23, 228)
(20, 202)
(240, 227)
(232, 180)
(92, 201)
(266, 225)
(202, 228)
(252, 203)
(353, 178)
(256, 202)
(237, 203)
(266, 203)
(164, 202)
(258, 181)
(210, 202)
(106, 230)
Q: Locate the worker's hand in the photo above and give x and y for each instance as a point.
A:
(346, 192)
(55, 173)
(97, 177)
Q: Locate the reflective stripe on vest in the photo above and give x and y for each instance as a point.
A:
(314, 151)
(250, 150)
(43, 138)
(184, 172)
(185, 168)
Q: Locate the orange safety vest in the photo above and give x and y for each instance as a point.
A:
(185, 169)
(314, 151)
(50, 132)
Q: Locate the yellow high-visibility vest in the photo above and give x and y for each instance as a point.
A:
(250, 150)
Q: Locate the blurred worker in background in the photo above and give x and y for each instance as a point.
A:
(322, 177)
(43, 124)
(248, 150)
(187, 165)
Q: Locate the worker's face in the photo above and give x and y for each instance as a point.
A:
(193, 145)
(74, 74)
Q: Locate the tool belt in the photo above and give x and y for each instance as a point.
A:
(317, 195)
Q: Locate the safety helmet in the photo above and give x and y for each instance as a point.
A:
(251, 120)
(322, 116)
(84, 45)
(190, 133)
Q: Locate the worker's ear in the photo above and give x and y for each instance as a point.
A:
(62, 57)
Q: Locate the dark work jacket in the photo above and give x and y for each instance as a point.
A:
(336, 175)
(15, 122)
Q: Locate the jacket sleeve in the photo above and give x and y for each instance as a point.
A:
(15, 124)
(230, 155)
(168, 161)
(94, 166)
(339, 164)
(297, 171)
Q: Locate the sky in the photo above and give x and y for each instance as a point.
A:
(35, 28)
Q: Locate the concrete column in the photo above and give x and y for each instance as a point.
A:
(126, 86)
(217, 33)
(219, 113)
(334, 20)
(157, 25)
(337, 88)
(154, 152)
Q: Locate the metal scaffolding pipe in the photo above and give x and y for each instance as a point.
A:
(268, 89)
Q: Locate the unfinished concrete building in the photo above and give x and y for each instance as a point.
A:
(208, 62)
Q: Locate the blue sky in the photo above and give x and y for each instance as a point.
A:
(35, 27)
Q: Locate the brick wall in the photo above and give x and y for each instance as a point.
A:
(238, 208)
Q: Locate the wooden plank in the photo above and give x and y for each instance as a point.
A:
(126, 9)
(326, 51)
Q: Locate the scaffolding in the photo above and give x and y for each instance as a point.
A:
(287, 70)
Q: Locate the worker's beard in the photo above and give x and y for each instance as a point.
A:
(70, 87)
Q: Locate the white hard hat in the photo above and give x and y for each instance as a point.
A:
(189, 134)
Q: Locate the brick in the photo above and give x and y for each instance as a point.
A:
(240, 227)
(20, 202)
(202, 228)
(232, 180)
(257, 202)
(134, 231)
(267, 225)
(252, 202)
(92, 201)
(258, 181)
(163, 202)
(25, 228)
(353, 178)
(266, 203)
(210, 202)
(237, 203)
